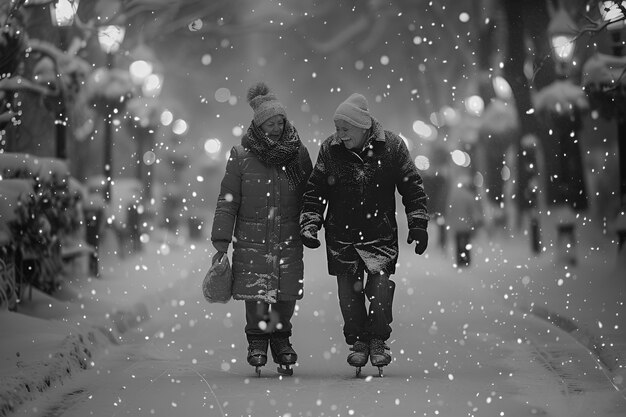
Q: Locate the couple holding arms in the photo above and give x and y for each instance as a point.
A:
(272, 201)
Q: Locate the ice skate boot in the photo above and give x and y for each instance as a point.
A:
(378, 356)
(257, 353)
(358, 357)
(282, 353)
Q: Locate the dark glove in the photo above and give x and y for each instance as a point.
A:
(221, 245)
(420, 237)
(217, 257)
(309, 238)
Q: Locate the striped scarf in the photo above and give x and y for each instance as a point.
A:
(282, 154)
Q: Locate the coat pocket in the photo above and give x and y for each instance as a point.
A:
(249, 231)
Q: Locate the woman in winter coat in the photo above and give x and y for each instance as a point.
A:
(258, 210)
(357, 172)
(464, 215)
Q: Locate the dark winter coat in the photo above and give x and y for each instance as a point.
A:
(359, 190)
(256, 201)
(464, 212)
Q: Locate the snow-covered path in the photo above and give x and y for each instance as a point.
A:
(459, 350)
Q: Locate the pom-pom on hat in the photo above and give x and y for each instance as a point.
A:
(354, 111)
(264, 103)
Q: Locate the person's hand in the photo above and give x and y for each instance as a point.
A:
(217, 257)
(221, 245)
(420, 237)
(309, 238)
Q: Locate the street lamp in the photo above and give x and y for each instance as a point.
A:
(110, 38)
(62, 13)
(562, 32)
(145, 119)
(563, 104)
(145, 70)
(145, 74)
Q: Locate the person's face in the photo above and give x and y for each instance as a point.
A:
(273, 127)
(352, 137)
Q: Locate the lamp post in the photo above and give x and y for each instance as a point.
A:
(151, 89)
(110, 37)
(145, 72)
(62, 13)
(563, 110)
(562, 32)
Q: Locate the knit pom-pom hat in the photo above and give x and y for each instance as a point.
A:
(354, 111)
(264, 103)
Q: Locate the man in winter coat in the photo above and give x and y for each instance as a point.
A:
(355, 177)
(464, 215)
(258, 208)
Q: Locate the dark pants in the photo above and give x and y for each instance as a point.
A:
(463, 253)
(277, 317)
(359, 323)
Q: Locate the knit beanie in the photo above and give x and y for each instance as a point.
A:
(264, 103)
(354, 111)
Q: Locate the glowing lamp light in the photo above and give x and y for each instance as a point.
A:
(423, 130)
(222, 95)
(450, 115)
(475, 105)
(180, 127)
(422, 162)
(212, 146)
(152, 85)
(237, 131)
(167, 118)
(460, 158)
(610, 12)
(437, 119)
(62, 12)
(562, 32)
(563, 46)
(502, 88)
(140, 70)
(110, 38)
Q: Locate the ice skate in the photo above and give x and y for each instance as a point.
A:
(283, 354)
(257, 353)
(358, 357)
(378, 356)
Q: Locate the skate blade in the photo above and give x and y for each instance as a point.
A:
(257, 369)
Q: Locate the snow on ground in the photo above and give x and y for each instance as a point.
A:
(51, 339)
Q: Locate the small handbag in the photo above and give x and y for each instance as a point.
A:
(218, 282)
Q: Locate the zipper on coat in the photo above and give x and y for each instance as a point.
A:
(273, 230)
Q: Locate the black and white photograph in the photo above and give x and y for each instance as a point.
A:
(313, 208)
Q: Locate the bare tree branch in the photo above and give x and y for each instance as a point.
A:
(616, 82)
(595, 26)
(19, 83)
